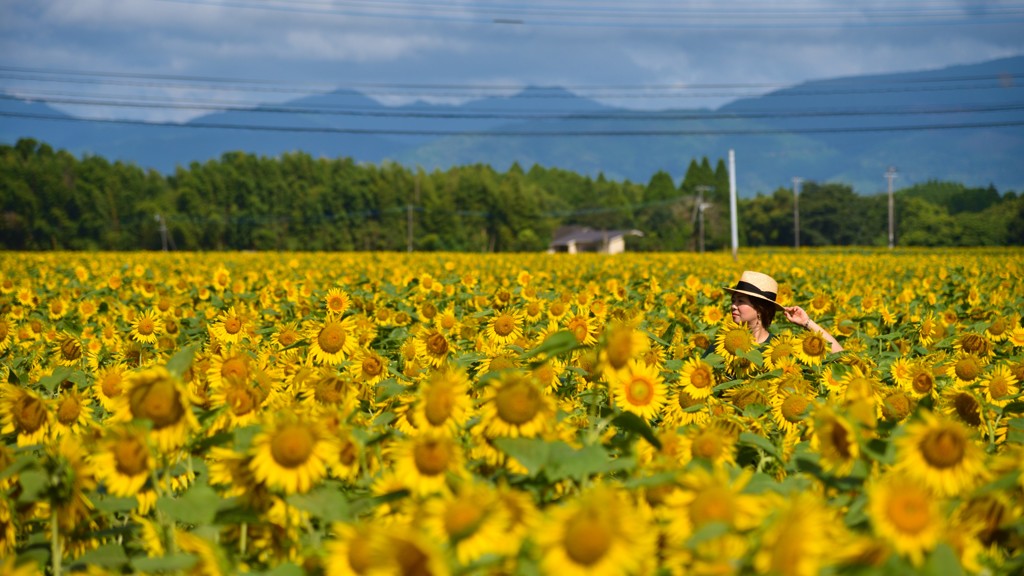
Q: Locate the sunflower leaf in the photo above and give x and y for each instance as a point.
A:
(328, 504)
(59, 374)
(198, 505)
(109, 555)
(561, 342)
(633, 423)
(182, 359)
(532, 453)
(943, 561)
(757, 441)
(709, 531)
(170, 563)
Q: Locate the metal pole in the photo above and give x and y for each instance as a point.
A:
(700, 212)
(890, 174)
(796, 211)
(732, 203)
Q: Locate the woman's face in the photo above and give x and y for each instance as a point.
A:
(742, 310)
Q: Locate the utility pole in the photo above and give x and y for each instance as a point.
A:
(700, 212)
(408, 216)
(164, 236)
(732, 204)
(890, 174)
(796, 211)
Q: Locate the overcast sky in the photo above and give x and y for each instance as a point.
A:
(641, 54)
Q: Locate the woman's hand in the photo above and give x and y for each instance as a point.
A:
(797, 315)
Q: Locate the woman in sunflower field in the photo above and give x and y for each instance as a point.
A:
(753, 304)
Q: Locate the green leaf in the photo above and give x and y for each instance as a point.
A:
(633, 423)
(286, 569)
(20, 463)
(113, 504)
(532, 453)
(709, 531)
(751, 439)
(198, 505)
(169, 563)
(182, 359)
(943, 561)
(33, 483)
(59, 374)
(328, 504)
(567, 462)
(754, 356)
(561, 342)
(727, 385)
(109, 555)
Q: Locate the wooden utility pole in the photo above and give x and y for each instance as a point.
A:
(890, 174)
(796, 211)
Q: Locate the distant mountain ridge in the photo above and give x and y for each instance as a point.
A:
(843, 130)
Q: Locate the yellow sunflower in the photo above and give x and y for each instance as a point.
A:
(834, 438)
(812, 348)
(337, 301)
(24, 413)
(147, 327)
(621, 343)
(709, 496)
(999, 385)
(922, 380)
(799, 538)
(697, 379)
(332, 341)
(790, 408)
(230, 327)
(292, 454)
(733, 339)
(599, 532)
(640, 389)
(123, 461)
(432, 347)
(424, 462)
(940, 454)
(67, 350)
(584, 327)
(472, 521)
(155, 395)
(966, 368)
(368, 367)
(906, 514)
(781, 351)
(964, 405)
(73, 414)
(683, 409)
(515, 404)
(505, 327)
(443, 403)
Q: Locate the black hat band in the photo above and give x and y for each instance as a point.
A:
(748, 287)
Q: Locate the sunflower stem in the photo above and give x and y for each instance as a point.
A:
(242, 539)
(56, 555)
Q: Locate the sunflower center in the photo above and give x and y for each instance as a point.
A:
(5, 329)
(438, 405)
(518, 402)
(331, 337)
(359, 558)
(292, 446)
(909, 511)
(896, 406)
(330, 390)
(349, 452)
(29, 413)
(620, 347)
(685, 400)
(411, 560)
(587, 539)
(840, 440)
(707, 446)
(967, 368)
(130, 456)
(70, 349)
(967, 408)
(235, 369)
(372, 365)
(943, 448)
(158, 401)
(287, 338)
(998, 387)
(713, 504)
(700, 377)
(111, 385)
(504, 325)
(923, 383)
(781, 351)
(997, 327)
(813, 345)
(462, 519)
(639, 391)
(579, 329)
(69, 410)
(793, 407)
(241, 399)
(146, 326)
(736, 340)
(437, 344)
(431, 457)
(974, 343)
(232, 324)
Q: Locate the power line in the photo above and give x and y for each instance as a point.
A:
(523, 133)
(236, 106)
(648, 15)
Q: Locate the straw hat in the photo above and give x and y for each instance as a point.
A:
(757, 285)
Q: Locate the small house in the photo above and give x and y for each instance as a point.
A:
(575, 239)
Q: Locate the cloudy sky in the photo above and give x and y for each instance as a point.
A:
(179, 57)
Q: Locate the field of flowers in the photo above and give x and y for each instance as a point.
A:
(421, 414)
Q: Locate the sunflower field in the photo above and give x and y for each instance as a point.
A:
(430, 414)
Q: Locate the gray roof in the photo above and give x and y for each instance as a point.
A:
(580, 235)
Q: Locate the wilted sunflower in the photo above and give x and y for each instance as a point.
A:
(906, 514)
(598, 532)
(123, 461)
(67, 350)
(940, 454)
(515, 404)
(155, 395)
(332, 341)
(292, 454)
(639, 389)
(964, 405)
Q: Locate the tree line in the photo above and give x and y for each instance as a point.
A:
(52, 200)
